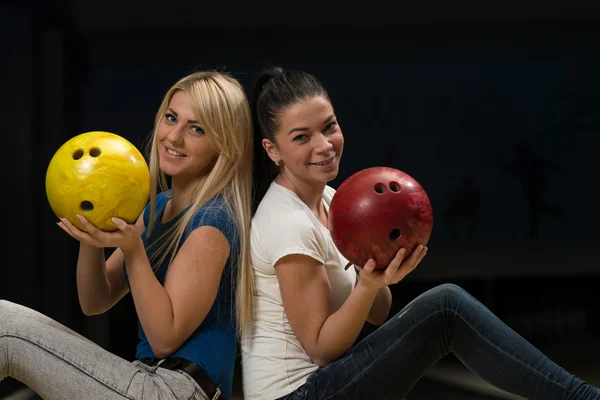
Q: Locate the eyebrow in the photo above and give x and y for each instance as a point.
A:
(191, 121)
(332, 116)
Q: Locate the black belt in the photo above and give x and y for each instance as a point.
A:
(197, 373)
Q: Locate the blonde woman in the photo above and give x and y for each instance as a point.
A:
(179, 261)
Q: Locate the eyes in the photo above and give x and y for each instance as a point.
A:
(171, 119)
(329, 128)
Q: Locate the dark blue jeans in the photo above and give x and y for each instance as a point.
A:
(446, 319)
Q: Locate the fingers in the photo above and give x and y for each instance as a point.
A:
(416, 259)
(64, 228)
(396, 262)
(370, 265)
(411, 263)
(89, 227)
(397, 269)
(78, 234)
(417, 254)
(120, 224)
(423, 253)
(361, 269)
(70, 228)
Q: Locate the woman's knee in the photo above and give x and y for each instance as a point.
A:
(6, 308)
(449, 293)
(6, 314)
(444, 296)
(452, 290)
(11, 314)
(455, 296)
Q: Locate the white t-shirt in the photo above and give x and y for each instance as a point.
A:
(274, 362)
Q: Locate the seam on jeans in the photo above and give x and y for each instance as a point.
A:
(80, 368)
(393, 346)
(179, 372)
(129, 384)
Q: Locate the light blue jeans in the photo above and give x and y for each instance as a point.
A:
(58, 363)
(446, 319)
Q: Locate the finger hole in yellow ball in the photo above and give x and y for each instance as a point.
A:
(86, 206)
(95, 152)
(77, 154)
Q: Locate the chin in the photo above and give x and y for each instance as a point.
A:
(331, 179)
(326, 178)
(167, 170)
(333, 174)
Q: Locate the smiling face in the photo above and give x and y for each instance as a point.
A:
(308, 143)
(184, 149)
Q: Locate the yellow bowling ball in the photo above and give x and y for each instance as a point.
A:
(99, 175)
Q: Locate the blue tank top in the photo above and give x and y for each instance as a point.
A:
(213, 346)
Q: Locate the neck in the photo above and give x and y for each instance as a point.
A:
(310, 194)
(181, 195)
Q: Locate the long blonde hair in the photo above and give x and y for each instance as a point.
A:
(221, 107)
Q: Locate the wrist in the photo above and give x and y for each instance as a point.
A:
(367, 289)
(89, 248)
(134, 250)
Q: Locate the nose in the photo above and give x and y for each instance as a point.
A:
(323, 144)
(175, 134)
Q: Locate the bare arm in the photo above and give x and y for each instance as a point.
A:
(100, 283)
(170, 314)
(306, 295)
(381, 306)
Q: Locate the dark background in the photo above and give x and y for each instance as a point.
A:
(493, 107)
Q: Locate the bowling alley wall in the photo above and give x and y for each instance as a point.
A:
(499, 122)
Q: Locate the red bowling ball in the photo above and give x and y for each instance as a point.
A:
(377, 211)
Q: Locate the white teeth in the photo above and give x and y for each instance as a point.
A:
(326, 162)
(174, 153)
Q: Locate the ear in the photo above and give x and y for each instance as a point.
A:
(271, 150)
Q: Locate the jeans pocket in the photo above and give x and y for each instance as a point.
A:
(308, 391)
